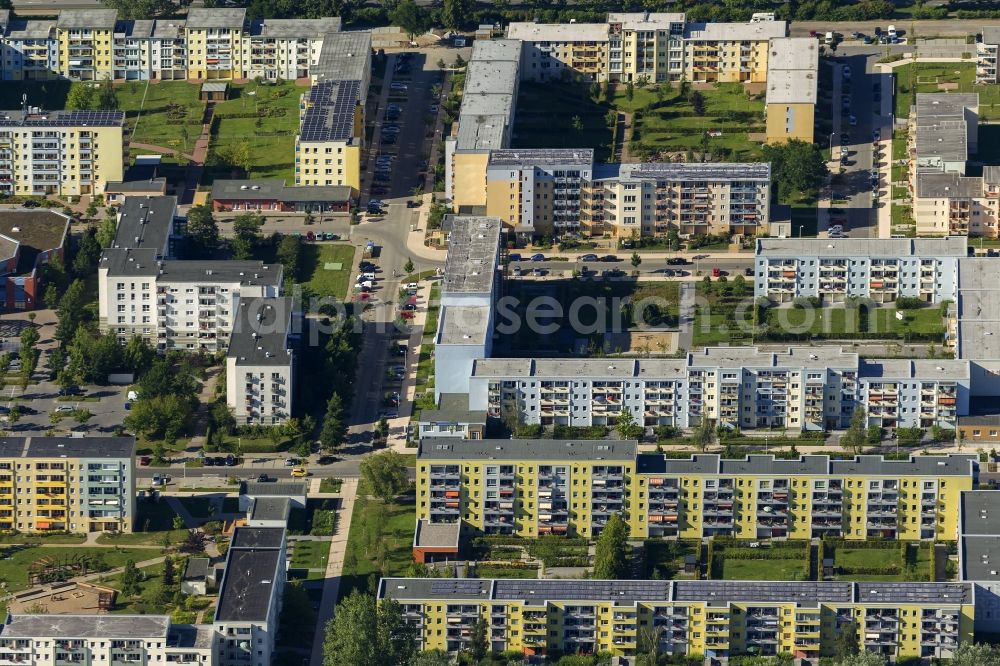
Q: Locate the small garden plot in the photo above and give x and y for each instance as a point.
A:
(776, 560)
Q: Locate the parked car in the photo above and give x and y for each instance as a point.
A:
(145, 460)
(677, 261)
(514, 257)
(716, 272)
(263, 478)
(299, 472)
(538, 257)
(589, 257)
(610, 257)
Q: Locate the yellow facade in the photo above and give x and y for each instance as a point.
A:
(530, 498)
(790, 121)
(323, 163)
(215, 53)
(85, 53)
(806, 627)
(469, 176)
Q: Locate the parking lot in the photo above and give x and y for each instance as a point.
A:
(39, 401)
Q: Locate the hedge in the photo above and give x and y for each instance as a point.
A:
(869, 571)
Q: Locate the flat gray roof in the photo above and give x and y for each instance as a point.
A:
(797, 248)
(453, 408)
(914, 593)
(274, 489)
(646, 20)
(487, 76)
(248, 584)
(695, 171)
(752, 357)
(980, 511)
(496, 50)
(75, 19)
(20, 29)
(196, 568)
(724, 591)
(443, 589)
(483, 131)
(767, 465)
(949, 465)
(473, 245)
(946, 140)
(791, 86)
(243, 272)
(621, 591)
(258, 537)
(232, 18)
(135, 29)
(67, 447)
(270, 508)
(295, 28)
(142, 186)
(542, 157)
(16, 118)
(437, 535)
(463, 325)
(260, 332)
(446, 448)
(980, 557)
(127, 262)
(86, 626)
(344, 56)
(729, 32)
(558, 32)
(145, 222)
(275, 189)
(888, 369)
(948, 185)
(581, 368)
(991, 34)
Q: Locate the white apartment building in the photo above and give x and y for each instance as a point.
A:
(27, 51)
(260, 362)
(48, 640)
(882, 269)
(914, 394)
(986, 55)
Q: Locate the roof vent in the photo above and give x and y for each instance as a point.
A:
(15, 229)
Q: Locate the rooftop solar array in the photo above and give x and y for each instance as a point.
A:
(460, 588)
(593, 590)
(915, 593)
(770, 591)
(330, 116)
(61, 118)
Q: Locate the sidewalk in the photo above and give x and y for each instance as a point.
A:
(334, 567)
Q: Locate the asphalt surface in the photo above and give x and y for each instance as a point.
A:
(39, 401)
(649, 267)
(855, 184)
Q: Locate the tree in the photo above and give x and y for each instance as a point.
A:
(865, 658)
(138, 355)
(796, 165)
(697, 103)
(70, 311)
(385, 474)
(106, 232)
(413, 19)
(479, 644)
(703, 434)
(195, 542)
(364, 632)
(202, 232)
(576, 123)
(4, 363)
(857, 432)
(382, 428)
(29, 337)
(636, 260)
(140, 9)
(168, 571)
(14, 415)
(107, 100)
(239, 155)
(629, 91)
(625, 425)
(454, 13)
(88, 253)
(80, 96)
(246, 234)
(129, 581)
(976, 654)
(431, 658)
(288, 254)
(408, 266)
(611, 550)
(334, 429)
(50, 296)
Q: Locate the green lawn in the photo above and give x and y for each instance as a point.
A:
(831, 322)
(927, 321)
(722, 316)
(433, 309)
(765, 569)
(15, 561)
(926, 77)
(270, 136)
(673, 125)
(380, 542)
(167, 114)
(506, 572)
(914, 567)
(152, 521)
(310, 554)
(901, 215)
(323, 282)
(538, 103)
(41, 538)
(899, 138)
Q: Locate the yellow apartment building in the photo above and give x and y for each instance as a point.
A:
(328, 147)
(531, 488)
(792, 69)
(67, 153)
(215, 43)
(63, 484)
(716, 619)
(85, 38)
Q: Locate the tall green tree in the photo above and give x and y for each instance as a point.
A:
(129, 581)
(289, 255)
(625, 425)
(246, 234)
(976, 654)
(202, 232)
(480, 644)
(334, 429)
(107, 99)
(611, 550)
(454, 13)
(88, 253)
(385, 474)
(138, 355)
(412, 18)
(796, 166)
(857, 432)
(29, 337)
(865, 658)
(366, 633)
(80, 96)
(106, 232)
(71, 311)
(141, 9)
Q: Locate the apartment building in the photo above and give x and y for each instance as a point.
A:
(881, 269)
(538, 192)
(219, 43)
(47, 640)
(328, 146)
(914, 394)
(64, 484)
(250, 597)
(716, 619)
(531, 488)
(792, 78)
(562, 51)
(652, 199)
(65, 153)
(468, 290)
(986, 55)
(260, 362)
(485, 121)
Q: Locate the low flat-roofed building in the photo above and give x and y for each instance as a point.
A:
(195, 577)
(452, 418)
(982, 424)
(274, 194)
(295, 491)
(115, 193)
(29, 238)
(433, 542)
(269, 512)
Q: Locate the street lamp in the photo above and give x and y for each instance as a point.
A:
(800, 230)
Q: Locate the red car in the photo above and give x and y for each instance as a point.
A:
(716, 272)
(145, 460)
(407, 314)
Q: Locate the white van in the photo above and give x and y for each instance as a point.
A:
(891, 31)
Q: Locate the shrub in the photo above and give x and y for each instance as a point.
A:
(909, 303)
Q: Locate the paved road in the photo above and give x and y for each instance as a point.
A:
(652, 265)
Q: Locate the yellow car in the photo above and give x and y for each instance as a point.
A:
(299, 472)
